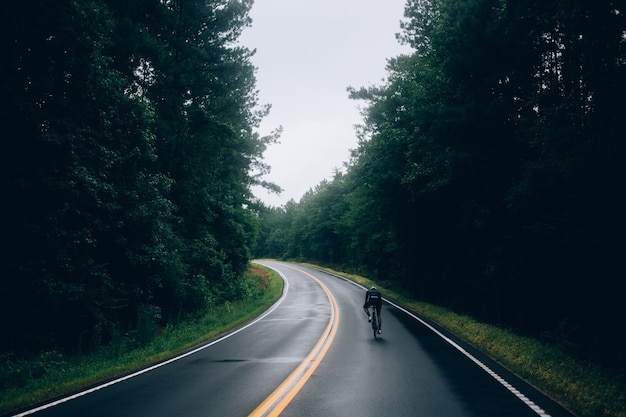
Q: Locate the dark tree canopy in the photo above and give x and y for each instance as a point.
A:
(489, 171)
(128, 152)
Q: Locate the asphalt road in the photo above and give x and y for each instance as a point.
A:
(315, 351)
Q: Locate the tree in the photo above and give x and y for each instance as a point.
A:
(127, 166)
(488, 169)
(86, 213)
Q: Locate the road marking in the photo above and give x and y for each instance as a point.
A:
(282, 396)
(160, 364)
(484, 367)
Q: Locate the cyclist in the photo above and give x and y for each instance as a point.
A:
(374, 298)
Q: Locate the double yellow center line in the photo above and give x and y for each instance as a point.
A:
(282, 396)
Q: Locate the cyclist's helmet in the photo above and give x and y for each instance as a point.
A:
(373, 287)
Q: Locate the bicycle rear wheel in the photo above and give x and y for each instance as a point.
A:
(374, 323)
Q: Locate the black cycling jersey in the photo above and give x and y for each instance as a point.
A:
(373, 298)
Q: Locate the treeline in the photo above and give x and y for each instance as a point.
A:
(128, 152)
(489, 174)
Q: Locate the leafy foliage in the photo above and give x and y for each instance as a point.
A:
(489, 168)
(127, 155)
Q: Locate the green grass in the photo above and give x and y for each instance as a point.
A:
(580, 386)
(52, 374)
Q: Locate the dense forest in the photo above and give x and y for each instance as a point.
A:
(489, 173)
(129, 147)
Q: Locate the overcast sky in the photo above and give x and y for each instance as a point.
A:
(308, 53)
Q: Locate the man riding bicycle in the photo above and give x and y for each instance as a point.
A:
(373, 298)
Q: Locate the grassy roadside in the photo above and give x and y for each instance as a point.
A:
(581, 387)
(52, 374)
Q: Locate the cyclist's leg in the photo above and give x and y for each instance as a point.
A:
(380, 318)
(366, 309)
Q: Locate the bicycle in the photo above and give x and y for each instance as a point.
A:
(374, 322)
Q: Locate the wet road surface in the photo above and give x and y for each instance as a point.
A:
(410, 371)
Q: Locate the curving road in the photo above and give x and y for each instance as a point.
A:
(313, 354)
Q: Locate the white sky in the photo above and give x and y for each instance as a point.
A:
(308, 53)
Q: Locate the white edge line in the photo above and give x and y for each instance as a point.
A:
(160, 364)
(484, 367)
